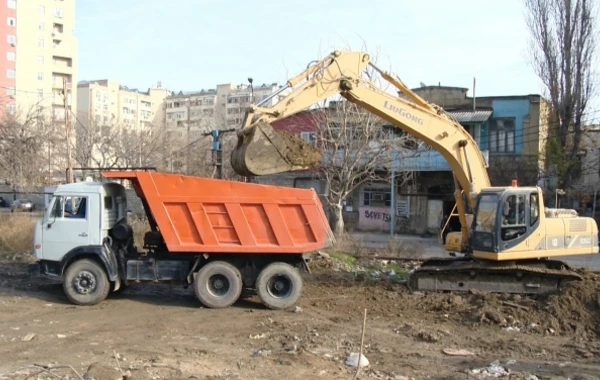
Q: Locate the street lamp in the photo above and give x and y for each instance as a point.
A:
(558, 191)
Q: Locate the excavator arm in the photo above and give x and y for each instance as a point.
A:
(261, 150)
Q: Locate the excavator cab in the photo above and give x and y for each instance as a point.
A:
(505, 218)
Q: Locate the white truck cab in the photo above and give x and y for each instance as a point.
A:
(76, 227)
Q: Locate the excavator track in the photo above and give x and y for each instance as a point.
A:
(465, 274)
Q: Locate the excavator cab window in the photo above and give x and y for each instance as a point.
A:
(513, 217)
(484, 223)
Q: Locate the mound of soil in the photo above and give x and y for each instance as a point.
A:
(575, 311)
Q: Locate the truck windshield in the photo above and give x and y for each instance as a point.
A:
(485, 220)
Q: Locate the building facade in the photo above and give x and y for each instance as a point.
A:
(39, 56)
(197, 112)
(509, 130)
(106, 102)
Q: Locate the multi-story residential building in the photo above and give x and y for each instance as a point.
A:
(106, 102)
(40, 51)
(219, 108)
(509, 130)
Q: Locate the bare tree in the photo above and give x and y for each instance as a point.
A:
(23, 137)
(96, 144)
(146, 146)
(357, 149)
(563, 47)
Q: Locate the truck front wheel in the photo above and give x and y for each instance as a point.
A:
(279, 285)
(218, 284)
(85, 282)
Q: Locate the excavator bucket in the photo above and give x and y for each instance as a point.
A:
(261, 150)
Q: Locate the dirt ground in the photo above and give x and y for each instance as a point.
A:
(162, 332)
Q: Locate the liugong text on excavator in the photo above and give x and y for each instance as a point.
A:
(507, 240)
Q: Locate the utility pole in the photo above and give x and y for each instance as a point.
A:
(217, 152)
(68, 131)
(187, 152)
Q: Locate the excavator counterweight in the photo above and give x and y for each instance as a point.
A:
(262, 150)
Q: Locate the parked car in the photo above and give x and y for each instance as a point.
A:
(3, 202)
(22, 205)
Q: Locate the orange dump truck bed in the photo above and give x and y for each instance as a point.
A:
(195, 214)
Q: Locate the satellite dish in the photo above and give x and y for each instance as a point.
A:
(422, 84)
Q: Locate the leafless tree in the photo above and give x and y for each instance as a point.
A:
(142, 147)
(356, 149)
(563, 47)
(24, 139)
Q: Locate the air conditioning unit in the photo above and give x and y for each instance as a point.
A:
(378, 197)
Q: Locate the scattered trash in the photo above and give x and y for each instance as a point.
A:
(493, 370)
(352, 360)
(455, 352)
(258, 336)
(28, 337)
(511, 328)
(61, 336)
(297, 309)
(261, 352)
(323, 255)
(511, 362)
(531, 377)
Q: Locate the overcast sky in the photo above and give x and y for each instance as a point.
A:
(195, 44)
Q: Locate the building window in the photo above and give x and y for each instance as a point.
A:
(309, 137)
(40, 76)
(10, 73)
(40, 93)
(58, 12)
(12, 4)
(10, 91)
(11, 39)
(41, 26)
(40, 43)
(11, 21)
(376, 197)
(502, 135)
(40, 59)
(11, 55)
(10, 108)
(41, 9)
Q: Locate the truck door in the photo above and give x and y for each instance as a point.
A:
(66, 227)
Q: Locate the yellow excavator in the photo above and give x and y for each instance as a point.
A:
(504, 245)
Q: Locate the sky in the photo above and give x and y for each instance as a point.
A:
(196, 44)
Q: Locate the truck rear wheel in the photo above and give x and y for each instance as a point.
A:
(218, 284)
(279, 285)
(85, 282)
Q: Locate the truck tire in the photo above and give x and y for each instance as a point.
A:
(278, 285)
(85, 282)
(218, 284)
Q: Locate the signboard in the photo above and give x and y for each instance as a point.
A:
(374, 218)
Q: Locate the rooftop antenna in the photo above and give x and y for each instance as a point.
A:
(474, 102)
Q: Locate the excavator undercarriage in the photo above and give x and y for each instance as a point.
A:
(466, 274)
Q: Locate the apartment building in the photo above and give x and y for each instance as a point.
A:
(39, 52)
(218, 108)
(106, 102)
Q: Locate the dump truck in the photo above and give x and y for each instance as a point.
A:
(221, 237)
